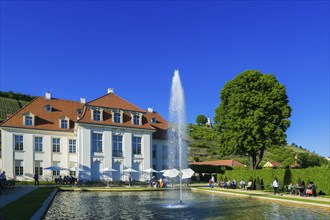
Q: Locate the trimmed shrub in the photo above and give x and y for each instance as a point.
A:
(319, 175)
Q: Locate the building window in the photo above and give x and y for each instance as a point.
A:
(56, 172)
(72, 146)
(19, 167)
(48, 108)
(56, 145)
(153, 120)
(117, 145)
(116, 118)
(18, 139)
(28, 120)
(64, 123)
(38, 144)
(136, 119)
(38, 168)
(97, 142)
(136, 145)
(154, 151)
(97, 115)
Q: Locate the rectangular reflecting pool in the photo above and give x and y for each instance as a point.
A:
(164, 205)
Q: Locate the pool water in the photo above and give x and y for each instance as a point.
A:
(165, 205)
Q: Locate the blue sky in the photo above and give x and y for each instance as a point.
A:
(80, 48)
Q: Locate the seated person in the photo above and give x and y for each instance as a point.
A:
(290, 188)
(242, 184)
(249, 185)
(310, 189)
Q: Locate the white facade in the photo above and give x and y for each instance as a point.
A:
(89, 162)
(29, 156)
(69, 135)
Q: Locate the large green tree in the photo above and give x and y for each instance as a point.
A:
(253, 115)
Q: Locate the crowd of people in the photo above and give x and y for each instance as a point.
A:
(158, 183)
(297, 189)
(66, 180)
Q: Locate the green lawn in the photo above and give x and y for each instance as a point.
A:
(25, 207)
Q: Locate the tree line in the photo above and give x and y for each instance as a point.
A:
(16, 95)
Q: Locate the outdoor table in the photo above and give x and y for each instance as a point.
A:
(300, 188)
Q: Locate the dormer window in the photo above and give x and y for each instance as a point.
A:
(64, 122)
(153, 120)
(79, 111)
(136, 118)
(117, 116)
(28, 119)
(48, 108)
(97, 115)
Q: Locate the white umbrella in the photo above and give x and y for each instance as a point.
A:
(187, 173)
(130, 170)
(150, 170)
(108, 169)
(171, 173)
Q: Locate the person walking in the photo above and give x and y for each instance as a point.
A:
(275, 185)
(36, 179)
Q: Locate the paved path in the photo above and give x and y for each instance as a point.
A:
(17, 193)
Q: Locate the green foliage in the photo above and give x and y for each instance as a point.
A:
(203, 143)
(17, 96)
(319, 175)
(206, 168)
(201, 120)
(253, 115)
(310, 160)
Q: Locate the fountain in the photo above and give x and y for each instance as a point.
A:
(177, 148)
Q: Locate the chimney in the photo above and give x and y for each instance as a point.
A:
(48, 95)
(111, 90)
(83, 100)
(150, 110)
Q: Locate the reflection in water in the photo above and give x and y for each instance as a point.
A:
(157, 205)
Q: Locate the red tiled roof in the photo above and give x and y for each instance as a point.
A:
(161, 125)
(46, 120)
(107, 120)
(275, 164)
(113, 101)
(230, 163)
(50, 120)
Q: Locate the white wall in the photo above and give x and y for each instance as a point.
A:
(28, 155)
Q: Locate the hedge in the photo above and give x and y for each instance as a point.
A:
(319, 175)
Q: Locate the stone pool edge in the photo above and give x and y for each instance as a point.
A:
(262, 197)
(44, 207)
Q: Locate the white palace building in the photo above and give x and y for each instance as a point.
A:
(83, 138)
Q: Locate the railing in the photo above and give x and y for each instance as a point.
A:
(117, 154)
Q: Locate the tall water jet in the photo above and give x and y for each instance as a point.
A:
(177, 147)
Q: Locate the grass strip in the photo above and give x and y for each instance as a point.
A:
(26, 206)
(271, 196)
